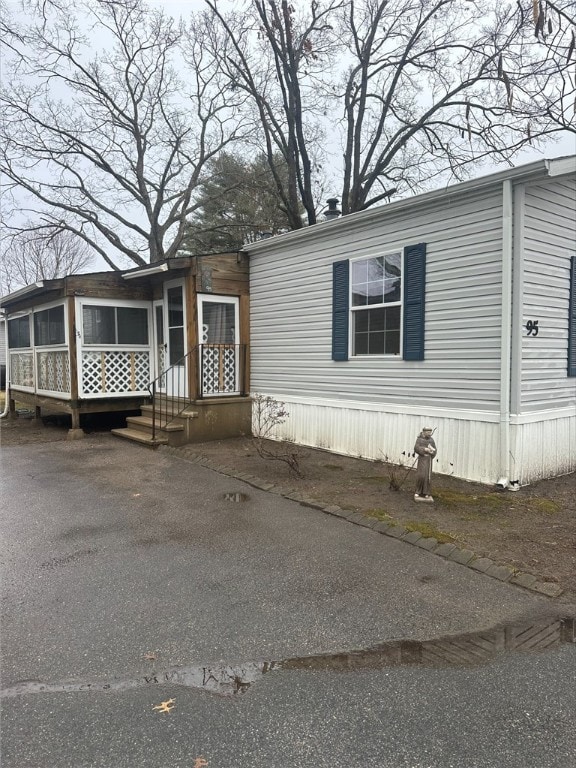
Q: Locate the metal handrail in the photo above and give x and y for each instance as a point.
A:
(169, 407)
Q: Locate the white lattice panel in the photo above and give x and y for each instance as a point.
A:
(161, 362)
(22, 369)
(53, 371)
(115, 372)
(218, 369)
(229, 369)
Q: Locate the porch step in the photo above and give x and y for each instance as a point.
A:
(147, 409)
(140, 437)
(145, 423)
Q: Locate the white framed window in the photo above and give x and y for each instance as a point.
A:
(49, 326)
(376, 304)
(19, 336)
(111, 325)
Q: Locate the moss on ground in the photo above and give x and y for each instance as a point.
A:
(545, 505)
(482, 504)
(428, 530)
(381, 514)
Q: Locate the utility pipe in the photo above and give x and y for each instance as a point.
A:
(506, 332)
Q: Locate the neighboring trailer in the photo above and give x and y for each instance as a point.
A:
(450, 309)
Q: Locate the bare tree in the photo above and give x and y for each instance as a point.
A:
(40, 253)
(278, 54)
(411, 90)
(554, 23)
(111, 146)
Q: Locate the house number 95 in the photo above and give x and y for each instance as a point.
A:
(532, 328)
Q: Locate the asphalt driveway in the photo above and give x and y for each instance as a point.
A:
(130, 579)
(112, 551)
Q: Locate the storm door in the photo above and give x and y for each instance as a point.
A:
(171, 327)
(218, 321)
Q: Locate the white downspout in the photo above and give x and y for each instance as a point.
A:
(506, 333)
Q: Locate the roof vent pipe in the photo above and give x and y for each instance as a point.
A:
(333, 211)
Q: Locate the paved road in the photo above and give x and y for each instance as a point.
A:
(111, 552)
(517, 713)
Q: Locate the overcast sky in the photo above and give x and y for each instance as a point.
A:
(565, 145)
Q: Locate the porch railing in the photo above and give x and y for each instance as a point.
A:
(220, 369)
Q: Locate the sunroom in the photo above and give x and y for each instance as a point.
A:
(144, 339)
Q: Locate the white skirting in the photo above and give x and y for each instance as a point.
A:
(467, 441)
(544, 446)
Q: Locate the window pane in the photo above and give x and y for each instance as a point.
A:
(19, 332)
(376, 270)
(392, 290)
(41, 337)
(368, 281)
(159, 325)
(175, 307)
(99, 325)
(393, 265)
(49, 326)
(376, 321)
(375, 293)
(361, 344)
(176, 344)
(393, 343)
(218, 323)
(377, 331)
(361, 321)
(376, 343)
(132, 325)
(359, 271)
(392, 318)
(56, 331)
(359, 295)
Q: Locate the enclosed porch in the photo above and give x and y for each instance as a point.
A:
(147, 338)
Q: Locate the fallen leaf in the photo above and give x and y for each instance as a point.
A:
(165, 706)
(199, 762)
(150, 656)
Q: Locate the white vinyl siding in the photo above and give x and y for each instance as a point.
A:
(291, 308)
(549, 243)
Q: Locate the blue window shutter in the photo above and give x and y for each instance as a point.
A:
(414, 296)
(572, 321)
(340, 309)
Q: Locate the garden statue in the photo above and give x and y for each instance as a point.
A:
(425, 449)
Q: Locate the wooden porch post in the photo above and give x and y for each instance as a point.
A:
(245, 339)
(75, 432)
(191, 299)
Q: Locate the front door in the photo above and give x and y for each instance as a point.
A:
(218, 322)
(170, 325)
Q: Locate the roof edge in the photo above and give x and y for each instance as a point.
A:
(149, 269)
(559, 166)
(23, 291)
(553, 167)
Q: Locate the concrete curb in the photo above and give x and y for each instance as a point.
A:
(451, 552)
